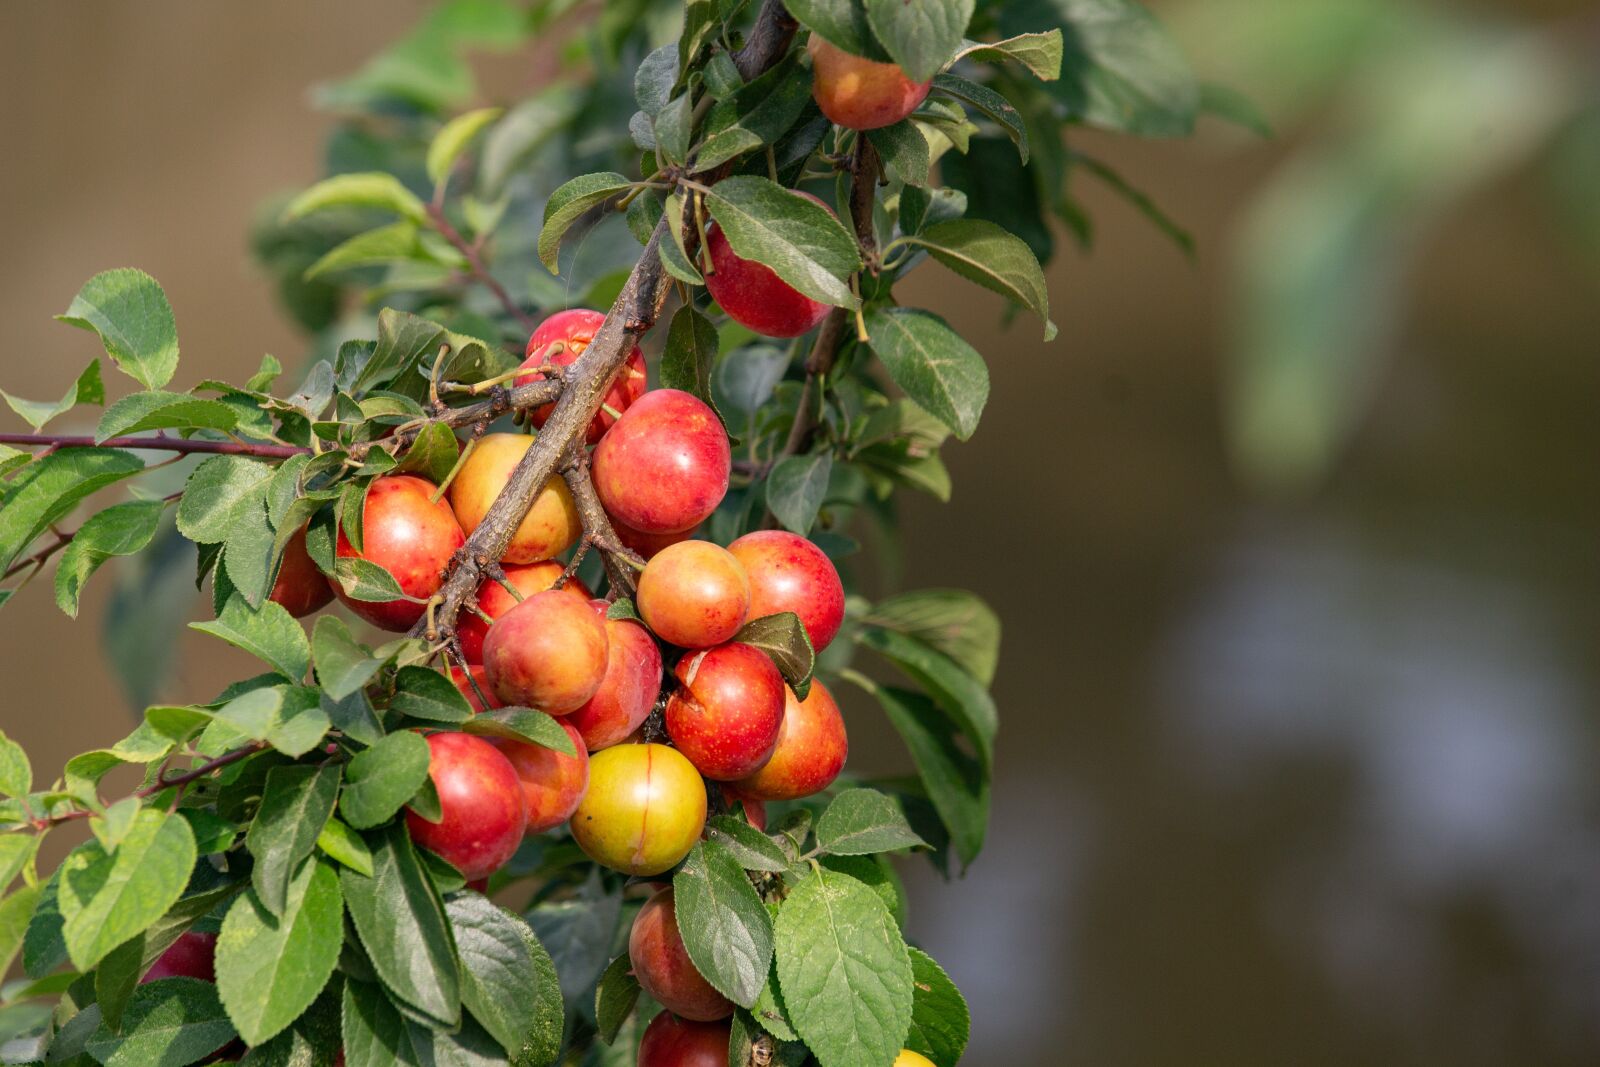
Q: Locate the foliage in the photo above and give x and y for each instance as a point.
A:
(274, 813)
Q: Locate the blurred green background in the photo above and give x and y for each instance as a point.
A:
(1295, 541)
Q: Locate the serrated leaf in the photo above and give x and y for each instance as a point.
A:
(252, 554)
(784, 639)
(343, 665)
(904, 151)
(521, 724)
(933, 364)
(920, 35)
(345, 845)
(50, 487)
(16, 773)
(87, 389)
(940, 1022)
(270, 968)
(115, 979)
(799, 240)
(379, 780)
(157, 410)
(756, 114)
(690, 357)
(218, 494)
(541, 1045)
(169, 1023)
(726, 928)
(15, 913)
(295, 806)
(1039, 52)
(754, 850)
(797, 487)
(653, 81)
(377, 1034)
(991, 103)
(496, 968)
(984, 253)
(130, 313)
(363, 580)
(956, 783)
(270, 634)
(402, 926)
(453, 138)
(571, 201)
(105, 899)
(861, 822)
(844, 971)
(423, 693)
(614, 997)
(374, 189)
(952, 621)
(433, 454)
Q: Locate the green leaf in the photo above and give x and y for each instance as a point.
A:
(521, 724)
(690, 355)
(129, 311)
(497, 970)
(614, 998)
(394, 242)
(952, 621)
(877, 873)
(754, 850)
(368, 190)
(218, 495)
(541, 1045)
(433, 454)
(107, 898)
(252, 554)
(861, 822)
(844, 972)
(376, 1034)
(524, 130)
(402, 926)
(361, 579)
(271, 634)
(157, 410)
(297, 803)
(16, 773)
(343, 665)
(16, 911)
(1121, 69)
(1231, 105)
(44, 948)
(797, 487)
(674, 254)
(1039, 52)
(379, 780)
(672, 129)
(1140, 200)
(310, 1041)
(757, 114)
(653, 82)
(270, 968)
(726, 928)
(578, 932)
(115, 979)
(423, 693)
(904, 151)
(16, 851)
(841, 22)
(345, 845)
(940, 1022)
(933, 364)
(452, 140)
(50, 487)
(120, 530)
(570, 202)
(991, 104)
(88, 389)
(801, 241)
(957, 784)
(961, 695)
(783, 638)
(920, 35)
(984, 253)
(169, 1023)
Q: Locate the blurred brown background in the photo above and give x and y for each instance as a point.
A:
(1300, 779)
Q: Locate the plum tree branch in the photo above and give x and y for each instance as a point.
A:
(476, 266)
(156, 443)
(163, 782)
(632, 314)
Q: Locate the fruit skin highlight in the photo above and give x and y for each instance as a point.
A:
(576, 328)
(662, 965)
(551, 525)
(663, 468)
(630, 686)
(644, 810)
(752, 293)
(694, 594)
(860, 93)
(484, 811)
(673, 1042)
(787, 572)
(728, 710)
(549, 653)
(810, 753)
(407, 534)
(552, 782)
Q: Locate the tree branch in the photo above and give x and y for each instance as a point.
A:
(475, 263)
(156, 444)
(164, 782)
(597, 527)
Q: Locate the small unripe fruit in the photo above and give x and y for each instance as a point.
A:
(752, 293)
(789, 573)
(494, 601)
(661, 964)
(574, 329)
(629, 689)
(484, 812)
(551, 525)
(728, 710)
(810, 752)
(644, 810)
(552, 782)
(193, 955)
(549, 652)
(664, 466)
(300, 588)
(694, 594)
(672, 1042)
(407, 534)
(860, 93)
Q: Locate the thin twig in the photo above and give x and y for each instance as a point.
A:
(479, 270)
(164, 782)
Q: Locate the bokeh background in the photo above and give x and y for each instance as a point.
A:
(1294, 540)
